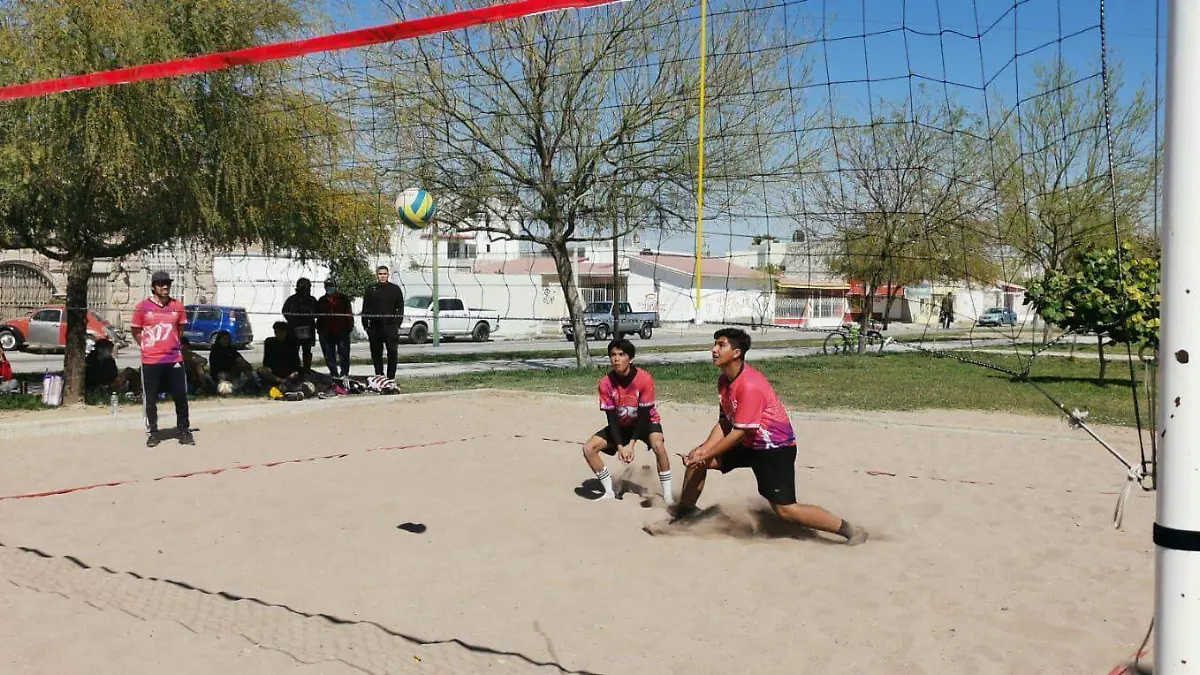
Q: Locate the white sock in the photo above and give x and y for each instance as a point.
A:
(605, 478)
(664, 479)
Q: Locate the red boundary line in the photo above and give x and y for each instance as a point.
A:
(285, 50)
(879, 473)
(238, 467)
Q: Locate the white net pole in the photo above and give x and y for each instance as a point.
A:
(1177, 524)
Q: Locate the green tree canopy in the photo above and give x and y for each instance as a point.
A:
(234, 157)
(1117, 300)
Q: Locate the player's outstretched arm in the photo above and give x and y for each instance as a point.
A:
(719, 442)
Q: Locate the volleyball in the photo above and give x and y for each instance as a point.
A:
(224, 387)
(416, 208)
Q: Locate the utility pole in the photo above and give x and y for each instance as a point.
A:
(1177, 473)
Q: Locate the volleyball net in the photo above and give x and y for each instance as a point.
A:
(798, 168)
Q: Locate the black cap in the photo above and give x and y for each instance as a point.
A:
(160, 277)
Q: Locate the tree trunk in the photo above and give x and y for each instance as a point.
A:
(575, 306)
(79, 271)
(887, 309)
(864, 321)
(1103, 365)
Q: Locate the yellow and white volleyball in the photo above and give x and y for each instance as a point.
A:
(416, 208)
(224, 387)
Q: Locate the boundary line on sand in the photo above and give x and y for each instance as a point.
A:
(237, 467)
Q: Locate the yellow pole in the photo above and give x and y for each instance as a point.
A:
(700, 150)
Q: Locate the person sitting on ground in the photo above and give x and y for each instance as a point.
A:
(101, 373)
(198, 379)
(8, 380)
(225, 364)
(281, 356)
(100, 367)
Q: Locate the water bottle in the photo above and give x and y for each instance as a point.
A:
(114, 402)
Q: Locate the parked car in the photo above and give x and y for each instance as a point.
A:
(206, 322)
(598, 322)
(46, 328)
(998, 316)
(455, 319)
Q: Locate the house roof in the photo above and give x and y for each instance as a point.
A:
(683, 264)
(539, 266)
(797, 282)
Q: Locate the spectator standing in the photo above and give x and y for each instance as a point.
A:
(335, 323)
(300, 312)
(383, 310)
(158, 328)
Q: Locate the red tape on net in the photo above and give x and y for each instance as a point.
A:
(285, 50)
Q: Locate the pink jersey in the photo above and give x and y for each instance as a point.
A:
(627, 397)
(161, 327)
(749, 403)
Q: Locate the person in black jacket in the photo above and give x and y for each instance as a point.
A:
(382, 311)
(300, 312)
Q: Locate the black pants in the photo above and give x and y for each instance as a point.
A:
(161, 377)
(336, 348)
(381, 336)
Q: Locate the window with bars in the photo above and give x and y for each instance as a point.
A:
(810, 304)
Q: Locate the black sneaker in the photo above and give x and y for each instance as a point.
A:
(152, 439)
(185, 438)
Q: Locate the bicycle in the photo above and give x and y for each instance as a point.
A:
(844, 340)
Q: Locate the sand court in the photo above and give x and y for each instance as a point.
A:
(445, 534)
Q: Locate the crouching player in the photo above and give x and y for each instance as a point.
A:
(627, 398)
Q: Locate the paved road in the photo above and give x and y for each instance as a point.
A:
(699, 336)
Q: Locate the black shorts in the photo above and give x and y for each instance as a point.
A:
(626, 436)
(774, 469)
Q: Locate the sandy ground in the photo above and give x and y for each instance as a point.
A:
(301, 567)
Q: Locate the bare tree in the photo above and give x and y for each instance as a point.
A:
(1052, 161)
(900, 201)
(580, 126)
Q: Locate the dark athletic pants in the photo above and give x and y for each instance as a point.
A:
(381, 336)
(160, 377)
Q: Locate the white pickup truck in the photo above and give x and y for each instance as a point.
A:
(455, 319)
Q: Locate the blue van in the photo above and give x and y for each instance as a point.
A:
(205, 322)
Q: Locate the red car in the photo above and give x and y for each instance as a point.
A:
(46, 328)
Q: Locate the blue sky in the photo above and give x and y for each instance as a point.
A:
(896, 44)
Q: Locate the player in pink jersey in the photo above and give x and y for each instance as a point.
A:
(754, 431)
(158, 329)
(627, 399)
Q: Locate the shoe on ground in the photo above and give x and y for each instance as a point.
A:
(186, 438)
(857, 536)
(152, 440)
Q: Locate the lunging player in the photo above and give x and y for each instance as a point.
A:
(627, 398)
(754, 431)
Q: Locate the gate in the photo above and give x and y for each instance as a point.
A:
(23, 288)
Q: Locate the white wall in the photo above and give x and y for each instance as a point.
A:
(261, 284)
(742, 300)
